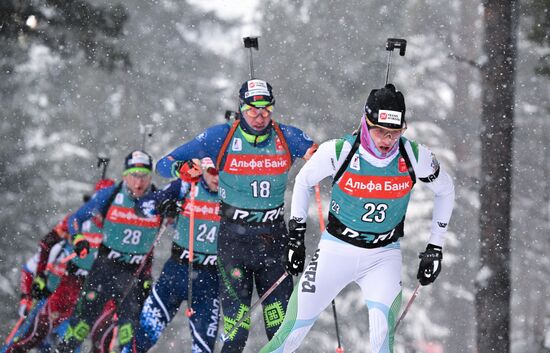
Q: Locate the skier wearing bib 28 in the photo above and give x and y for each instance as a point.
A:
(373, 175)
(253, 156)
(172, 286)
(127, 239)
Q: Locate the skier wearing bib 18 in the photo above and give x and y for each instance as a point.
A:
(253, 156)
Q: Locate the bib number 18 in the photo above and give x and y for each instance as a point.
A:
(260, 188)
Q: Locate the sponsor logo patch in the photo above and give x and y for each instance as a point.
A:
(379, 187)
(389, 117)
(125, 215)
(138, 157)
(203, 210)
(257, 88)
(237, 144)
(355, 163)
(254, 164)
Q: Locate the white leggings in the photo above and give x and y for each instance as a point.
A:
(335, 265)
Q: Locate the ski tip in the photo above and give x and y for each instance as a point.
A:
(189, 312)
(339, 350)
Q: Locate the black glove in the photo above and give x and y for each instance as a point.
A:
(81, 246)
(430, 264)
(39, 289)
(295, 252)
(169, 208)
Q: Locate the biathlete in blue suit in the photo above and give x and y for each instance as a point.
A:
(128, 240)
(253, 155)
(171, 289)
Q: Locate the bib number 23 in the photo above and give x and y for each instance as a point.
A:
(375, 212)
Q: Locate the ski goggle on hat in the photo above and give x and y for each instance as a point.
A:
(138, 162)
(256, 93)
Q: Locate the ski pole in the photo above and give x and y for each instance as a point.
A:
(25, 325)
(22, 318)
(137, 273)
(189, 311)
(251, 42)
(115, 334)
(103, 162)
(231, 115)
(339, 349)
(391, 44)
(58, 269)
(14, 330)
(146, 131)
(68, 258)
(225, 336)
(413, 297)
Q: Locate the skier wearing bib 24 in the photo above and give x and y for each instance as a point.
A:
(127, 239)
(373, 175)
(253, 156)
(172, 286)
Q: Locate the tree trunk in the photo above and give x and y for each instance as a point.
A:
(493, 281)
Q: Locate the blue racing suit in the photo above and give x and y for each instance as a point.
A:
(252, 182)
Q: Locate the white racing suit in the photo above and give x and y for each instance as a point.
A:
(341, 258)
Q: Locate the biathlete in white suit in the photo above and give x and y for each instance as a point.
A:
(373, 174)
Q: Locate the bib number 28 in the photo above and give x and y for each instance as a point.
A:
(131, 236)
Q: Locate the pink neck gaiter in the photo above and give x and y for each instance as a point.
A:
(368, 143)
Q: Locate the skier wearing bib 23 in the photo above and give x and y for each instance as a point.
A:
(373, 175)
(253, 156)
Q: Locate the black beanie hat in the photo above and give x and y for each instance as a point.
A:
(385, 107)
